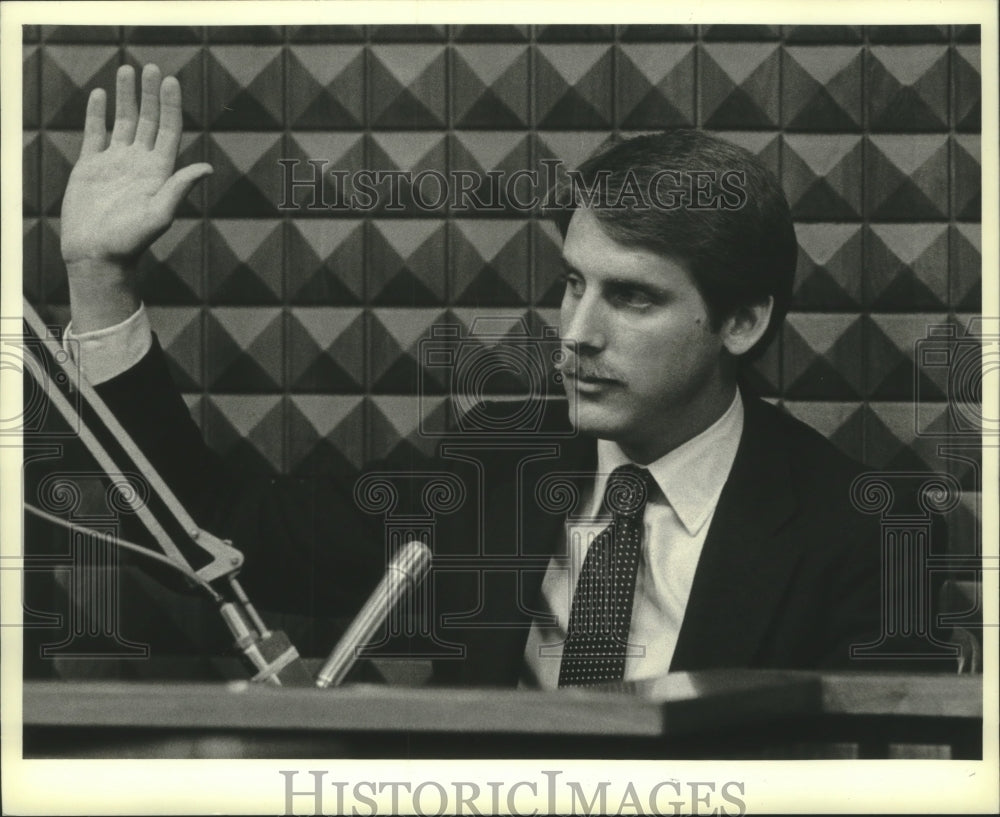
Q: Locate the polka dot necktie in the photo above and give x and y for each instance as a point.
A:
(601, 613)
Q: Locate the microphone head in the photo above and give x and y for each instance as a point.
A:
(413, 560)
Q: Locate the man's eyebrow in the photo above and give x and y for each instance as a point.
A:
(618, 282)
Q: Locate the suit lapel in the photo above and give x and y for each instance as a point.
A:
(496, 652)
(746, 561)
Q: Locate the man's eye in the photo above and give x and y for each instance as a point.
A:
(634, 298)
(573, 282)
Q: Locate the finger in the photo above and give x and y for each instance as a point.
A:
(125, 110)
(177, 186)
(171, 119)
(149, 108)
(95, 131)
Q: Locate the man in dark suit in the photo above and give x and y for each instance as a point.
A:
(737, 544)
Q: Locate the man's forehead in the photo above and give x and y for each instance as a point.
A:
(589, 247)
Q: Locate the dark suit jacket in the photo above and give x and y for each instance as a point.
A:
(789, 576)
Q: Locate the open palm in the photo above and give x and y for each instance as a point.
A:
(123, 192)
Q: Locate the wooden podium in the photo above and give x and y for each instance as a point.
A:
(717, 714)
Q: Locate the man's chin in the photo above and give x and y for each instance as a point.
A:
(595, 421)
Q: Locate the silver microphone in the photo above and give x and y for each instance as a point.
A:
(405, 572)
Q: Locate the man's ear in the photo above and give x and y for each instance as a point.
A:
(746, 326)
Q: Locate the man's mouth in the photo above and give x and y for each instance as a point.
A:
(586, 382)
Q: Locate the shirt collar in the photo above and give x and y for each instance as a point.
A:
(692, 475)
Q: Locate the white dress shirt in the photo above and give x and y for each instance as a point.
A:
(105, 353)
(676, 521)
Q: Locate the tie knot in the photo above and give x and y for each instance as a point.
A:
(628, 489)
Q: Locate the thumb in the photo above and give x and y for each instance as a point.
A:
(177, 186)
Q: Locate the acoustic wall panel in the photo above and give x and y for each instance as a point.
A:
(293, 315)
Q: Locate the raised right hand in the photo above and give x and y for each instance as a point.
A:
(122, 194)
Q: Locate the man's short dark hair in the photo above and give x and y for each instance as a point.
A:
(703, 201)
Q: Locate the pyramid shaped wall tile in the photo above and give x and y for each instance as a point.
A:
(908, 88)
(31, 66)
(245, 182)
(653, 32)
(395, 340)
(195, 405)
(31, 259)
(80, 34)
(574, 33)
(967, 79)
(396, 423)
(737, 85)
(913, 33)
(407, 33)
(490, 86)
(571, 148)
(326, 349)
(68, 74)
(829, 272)
(407, 86)
(325, 33)
(820, 356)
(326, 86)
(244, 261)
(892, 348)
(822, 176)
(487, 262)
(244, 350)
(406, 262)
(325, 261)
(547, 284)
(51, 277)
(891, 442)
(484, 168)
(245, 87)
(823, 34)
(31, 158)
(244, 34)
(573, 86)
(821, 88)
(193, 148)
(246, 430)
(179, 330)
(964, 529)
(317, 174)
(966, 176)
(655, 85)
(907, 267)
(170, 271)
(906, 178)
(410, 179)
(163, 34)
(184, 62)
(966, 267)
(490, 33)
(765, 145)
(59, 151)
(326, 433)
(740, 32)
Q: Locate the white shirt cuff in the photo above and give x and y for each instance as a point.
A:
(107, 353)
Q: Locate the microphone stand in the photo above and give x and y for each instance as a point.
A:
(269, 653)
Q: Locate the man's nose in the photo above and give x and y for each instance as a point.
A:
(583, 322)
